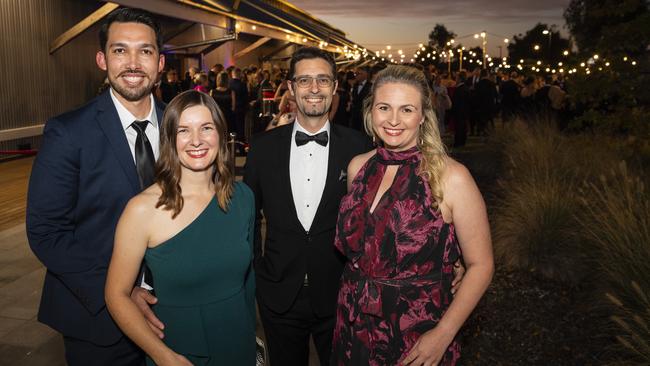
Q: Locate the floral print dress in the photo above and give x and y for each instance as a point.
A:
(397, 282)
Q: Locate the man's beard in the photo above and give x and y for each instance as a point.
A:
(310, 111)
(316, 113)
(132, 94)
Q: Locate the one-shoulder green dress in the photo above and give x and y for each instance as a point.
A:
(204, 281)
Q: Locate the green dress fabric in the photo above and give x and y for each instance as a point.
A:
(204, 281)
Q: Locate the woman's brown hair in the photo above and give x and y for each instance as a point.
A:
(168, 166)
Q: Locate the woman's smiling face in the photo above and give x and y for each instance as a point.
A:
(397, 115)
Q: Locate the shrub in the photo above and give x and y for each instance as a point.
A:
(616, 223)
(535, 222)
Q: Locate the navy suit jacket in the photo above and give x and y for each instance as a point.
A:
(81, 180)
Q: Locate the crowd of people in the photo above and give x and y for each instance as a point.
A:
(483, 97)
(375, 244)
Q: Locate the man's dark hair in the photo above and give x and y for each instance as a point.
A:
(376, 68)
(308, 53)
(128, 15)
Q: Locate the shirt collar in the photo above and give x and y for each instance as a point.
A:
(127, 118)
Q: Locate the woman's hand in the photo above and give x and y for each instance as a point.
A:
(429, 349)
(459, 273)
(174, 359)
(286, 118)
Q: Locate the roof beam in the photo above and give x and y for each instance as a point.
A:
(251, 47)
(227, 37)
(276, 51)
(212, 47)
(246, 25)
(78, 28)
(177, 10)
(285, 21)
(179, 29)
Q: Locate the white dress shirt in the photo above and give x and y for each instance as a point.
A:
(360, 86)
(308, 172)
(127, 118)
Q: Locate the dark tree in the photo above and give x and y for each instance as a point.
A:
(609, 26)
(613, 98)
(542, 43)
(439, 36)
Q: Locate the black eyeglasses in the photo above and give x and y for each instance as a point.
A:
(306, 81)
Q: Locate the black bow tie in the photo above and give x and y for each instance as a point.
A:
(303, 138)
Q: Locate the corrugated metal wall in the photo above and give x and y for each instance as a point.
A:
(35, 85)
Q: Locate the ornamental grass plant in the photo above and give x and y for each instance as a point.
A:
(615, 220)
(571, 209)
(535, 222)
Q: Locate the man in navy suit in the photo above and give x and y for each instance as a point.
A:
(92, 161)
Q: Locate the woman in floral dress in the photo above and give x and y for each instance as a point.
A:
(410, 213)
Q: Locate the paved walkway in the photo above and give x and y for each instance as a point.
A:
(23, 340)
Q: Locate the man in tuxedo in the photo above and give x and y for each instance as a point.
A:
(360, 91)
(471, 82)
(509, 96)
(486, 94)
(298, 175)
(461, 107)
(92, 161)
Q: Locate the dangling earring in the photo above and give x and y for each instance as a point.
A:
(374, 142)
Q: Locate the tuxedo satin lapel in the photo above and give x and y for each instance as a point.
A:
(109, 122)
(333, 173)
(284, 153)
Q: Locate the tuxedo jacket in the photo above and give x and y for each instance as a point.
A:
(290, 252)
(81, 180)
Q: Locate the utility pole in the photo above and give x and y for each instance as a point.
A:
(484, 36)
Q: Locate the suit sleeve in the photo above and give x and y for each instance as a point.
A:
(51, 202)
(251, 178)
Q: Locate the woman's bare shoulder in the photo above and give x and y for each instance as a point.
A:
(144, 203)
(455, 173)
(358, 161)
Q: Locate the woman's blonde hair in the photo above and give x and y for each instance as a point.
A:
(168, 166)
(434, 154)
(200, 78)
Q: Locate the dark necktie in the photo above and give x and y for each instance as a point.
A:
(303, 138)
(144, 159)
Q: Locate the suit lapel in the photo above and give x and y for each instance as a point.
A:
(284, 155)
(160, 109)
(333, 173)
(109, 122)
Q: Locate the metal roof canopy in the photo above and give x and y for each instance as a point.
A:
(272, 19)
(297, 24)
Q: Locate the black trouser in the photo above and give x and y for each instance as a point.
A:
(460, 132)
(287, 334)
(84, 353)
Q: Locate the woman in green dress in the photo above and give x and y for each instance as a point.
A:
(194, 229)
